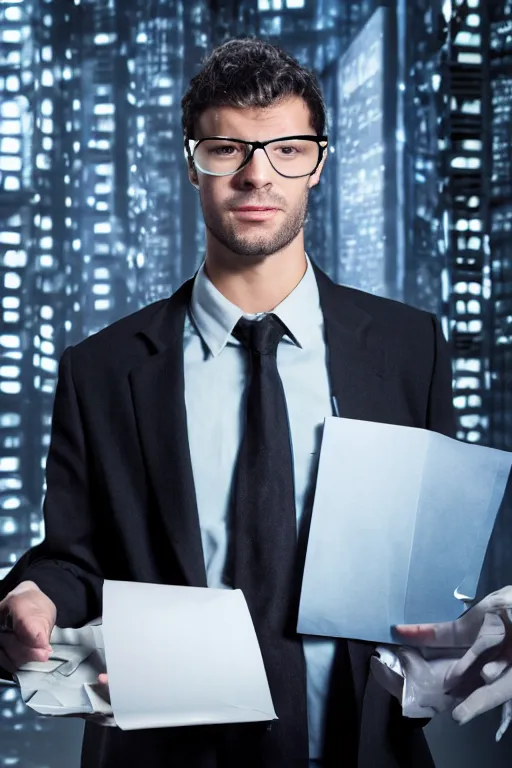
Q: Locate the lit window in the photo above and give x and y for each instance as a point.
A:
(8, 163)
(49, 365)
(47, 78)
(101, 289)
(10, 127)
(464, 57)
(12, 83)
(12, 280)
(9, 109)
(104, 109)
(472, 39)
(467, 382)
(10, 144)
(102, 227)
(105, 39)
(47, 348)
(13, 14)
(10, 35)
(43, 161)
(10, 387)
(10, 302)
(47, 331)
(47, 107)
(46, 312)
(13, 259)
(12, 184)
(10, 238)
(472, 144)
(472, 107)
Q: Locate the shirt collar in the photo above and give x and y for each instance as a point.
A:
(215, 316)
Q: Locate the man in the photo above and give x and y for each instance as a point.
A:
(185, 436)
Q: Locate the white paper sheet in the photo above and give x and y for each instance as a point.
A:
(401, 521)
(182, 656)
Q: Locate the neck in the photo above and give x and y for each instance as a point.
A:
(257, 286)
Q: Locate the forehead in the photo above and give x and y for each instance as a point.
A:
(285, 118)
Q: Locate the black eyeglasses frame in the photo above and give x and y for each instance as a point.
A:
(192, 144)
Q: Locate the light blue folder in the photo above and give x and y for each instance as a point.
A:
(401, 522)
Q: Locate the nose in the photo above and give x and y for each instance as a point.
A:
(257, 173)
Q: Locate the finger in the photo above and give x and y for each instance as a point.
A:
(483, 699)
(19, 653)
(33, 615)
(494, 669)
(490, 636)
(419, 632)
(460, 633)
(33, 631)
(103, 678)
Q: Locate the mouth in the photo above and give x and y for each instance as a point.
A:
(255, 212)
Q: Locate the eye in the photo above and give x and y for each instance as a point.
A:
(222, 150)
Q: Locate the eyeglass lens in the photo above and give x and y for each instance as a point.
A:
(291, 157)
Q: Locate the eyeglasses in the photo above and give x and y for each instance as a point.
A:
(290, 156)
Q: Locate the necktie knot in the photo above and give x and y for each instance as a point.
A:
(260, 336)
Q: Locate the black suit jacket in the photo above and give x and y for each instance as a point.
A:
(120, 500)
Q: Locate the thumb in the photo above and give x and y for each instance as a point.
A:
(34, 632)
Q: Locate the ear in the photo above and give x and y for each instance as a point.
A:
(315, 178)
(192, 175)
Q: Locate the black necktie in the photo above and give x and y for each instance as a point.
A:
(263, 548)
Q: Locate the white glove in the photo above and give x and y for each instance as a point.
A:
(464, 664)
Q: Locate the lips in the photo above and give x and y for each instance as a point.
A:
(256, 208)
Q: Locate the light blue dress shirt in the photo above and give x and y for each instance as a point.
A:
(216, 370)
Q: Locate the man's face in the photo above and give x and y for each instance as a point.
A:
(251, 235)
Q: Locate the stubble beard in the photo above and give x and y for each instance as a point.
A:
(256, 248)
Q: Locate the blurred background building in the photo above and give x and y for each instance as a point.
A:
(97, 217)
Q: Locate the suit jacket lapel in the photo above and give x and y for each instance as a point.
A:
(357, 366)
(158, 391)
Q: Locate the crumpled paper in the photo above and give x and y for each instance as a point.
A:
(67, 684)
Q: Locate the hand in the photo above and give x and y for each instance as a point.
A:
(481, 678)
(32, 616)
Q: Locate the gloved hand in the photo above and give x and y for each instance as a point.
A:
(469, 660)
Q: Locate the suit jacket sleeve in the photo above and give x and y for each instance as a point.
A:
(64, 565)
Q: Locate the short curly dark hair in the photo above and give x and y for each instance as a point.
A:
(248, 72)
